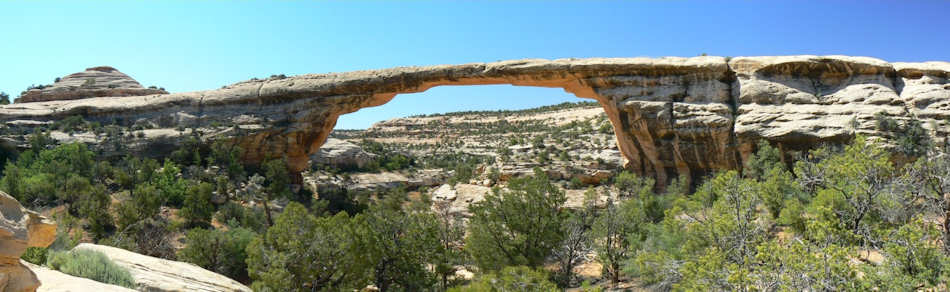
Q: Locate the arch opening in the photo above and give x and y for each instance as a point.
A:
(486, 119)
(456, 98)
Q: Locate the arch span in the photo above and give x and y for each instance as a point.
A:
(684, 116)
(638, 96)
(663, 110)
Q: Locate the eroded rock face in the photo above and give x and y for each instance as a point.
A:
(671, 116)
(798, 102)
(94, 82)
(20, 228)
(155, 274)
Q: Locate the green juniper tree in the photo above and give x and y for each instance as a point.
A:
(278, 181)
(450, 233)
(301, 252)
(400, 244)
(220, 251)
(517, 226)
(198, 207)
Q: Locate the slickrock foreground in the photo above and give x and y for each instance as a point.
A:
(19, 229)
(56, 281)
(672, 116)
(155, 274)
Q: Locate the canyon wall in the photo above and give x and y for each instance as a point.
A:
(672, 116)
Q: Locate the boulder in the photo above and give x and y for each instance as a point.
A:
(592, 176)
(342, 154)
(19, 229)
(376, 181)
(458, 198)
(611, 158)
(155, 274)
(428, 177)
(444, 193)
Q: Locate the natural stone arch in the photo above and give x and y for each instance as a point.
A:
(574, 86)
(671, 116)
(569, 84)
(648, 144)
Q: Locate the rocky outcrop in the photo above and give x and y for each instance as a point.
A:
(94, 82)
(671, 116)
(20, 228)
(589, 175)
(322, 183)
(342, 154)
(457, 199)
(56, 281)
(155, 274)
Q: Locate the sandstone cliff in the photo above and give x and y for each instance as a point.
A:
(94, 82)
(671, 115)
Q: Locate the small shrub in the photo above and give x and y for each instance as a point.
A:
(90, 265)
(910, 137)
(576, 183)
(35, 255)
(606, 128)
(198, 207)
(236, 215)
(515, 278)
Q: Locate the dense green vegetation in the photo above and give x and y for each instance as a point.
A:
(519, 226)
(808, 227)
(147, 191)
(765, 227)
(840, 217)
(222, 251)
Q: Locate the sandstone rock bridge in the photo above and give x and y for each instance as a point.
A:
(671, 116)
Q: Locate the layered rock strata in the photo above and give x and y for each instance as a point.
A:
(672, 116)
(94, 82)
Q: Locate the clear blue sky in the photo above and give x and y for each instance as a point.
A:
(197, 45)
